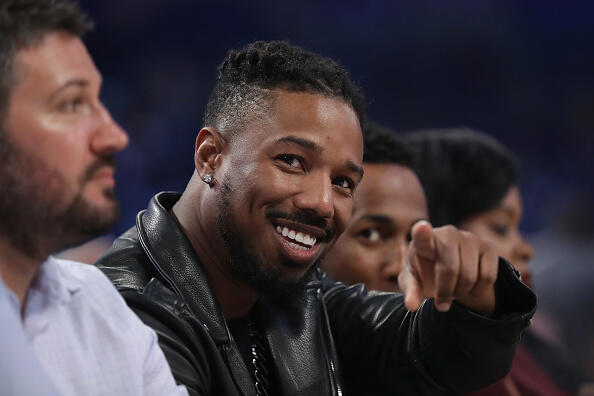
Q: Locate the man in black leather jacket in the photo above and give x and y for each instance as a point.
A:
(226, 272)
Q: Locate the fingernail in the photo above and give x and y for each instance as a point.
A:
(443, 307)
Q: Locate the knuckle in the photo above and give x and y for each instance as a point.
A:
(489, 278)
(466, 281)
(443, 295)
(466, 233)
(449, 228)
(446, 237)
(469, 237)
(445, 271)
(451, 231)
(487, 246)
(444, 230)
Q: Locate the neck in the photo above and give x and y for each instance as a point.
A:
(17, 270)
(235, 298)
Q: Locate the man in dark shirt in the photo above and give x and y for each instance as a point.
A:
(227, 271)
(386, 206)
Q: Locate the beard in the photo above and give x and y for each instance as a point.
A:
(249, 268)
(38, 217)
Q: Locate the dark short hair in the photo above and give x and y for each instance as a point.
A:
(24, 23)
(382, 146)
(464, 172)
(247, 77)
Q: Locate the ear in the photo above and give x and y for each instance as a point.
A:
(209, 149)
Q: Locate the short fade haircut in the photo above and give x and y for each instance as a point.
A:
(246, 79)
(23, 24)
(464, 172)
(383, 146)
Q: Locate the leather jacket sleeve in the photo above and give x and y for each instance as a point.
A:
(384, 348)
(186, 356)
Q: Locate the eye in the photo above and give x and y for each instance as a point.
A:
(370, 234)
(500, 229)
(73, 105)
(291, 160)
(343, 182)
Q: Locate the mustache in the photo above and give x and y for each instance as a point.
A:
(106, 160)
(306, 219)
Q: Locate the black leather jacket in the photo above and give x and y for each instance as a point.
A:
(338, 340)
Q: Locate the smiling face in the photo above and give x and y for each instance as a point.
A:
(501, 225)
(372, 250)
(58, 138)
(287, 188)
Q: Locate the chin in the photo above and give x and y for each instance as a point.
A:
(85, 219)
(93, 193)
(293, 277)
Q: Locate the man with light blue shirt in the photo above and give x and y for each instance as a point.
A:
(57, 142)
(20, 372)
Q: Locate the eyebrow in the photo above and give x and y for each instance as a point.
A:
(68, 84)
(305, 143)
(378, 218)
(355, 168)
(387, 220)
(506, 210)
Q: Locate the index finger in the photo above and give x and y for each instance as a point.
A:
(411, 288)
(423, 240)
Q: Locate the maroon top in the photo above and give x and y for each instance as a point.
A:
(526, 378)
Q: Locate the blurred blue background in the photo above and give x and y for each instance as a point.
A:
(519, 70)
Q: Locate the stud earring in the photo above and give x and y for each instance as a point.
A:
(208, 179)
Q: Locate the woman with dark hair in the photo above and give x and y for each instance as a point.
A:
(470, 181)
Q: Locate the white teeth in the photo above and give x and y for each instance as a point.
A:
(294, 245)
(298, 236)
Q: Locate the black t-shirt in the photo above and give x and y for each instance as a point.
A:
(240, 330)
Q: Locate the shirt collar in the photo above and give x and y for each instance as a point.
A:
(52, 282)
(50, 290)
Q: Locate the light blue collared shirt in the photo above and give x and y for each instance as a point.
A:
(87, 339)
(20, 371)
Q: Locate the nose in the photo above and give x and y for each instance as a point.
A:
(316, 195)
(109, 137)
(524, 250)
(394, 259)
